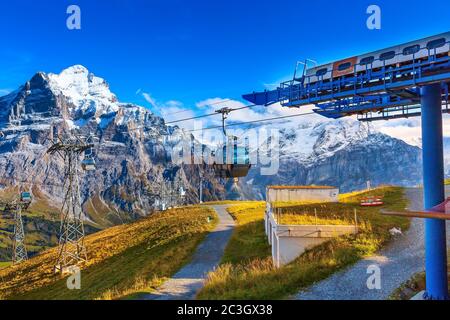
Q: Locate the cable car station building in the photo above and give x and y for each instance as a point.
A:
(290, 241)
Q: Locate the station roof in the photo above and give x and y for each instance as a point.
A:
(299, 187)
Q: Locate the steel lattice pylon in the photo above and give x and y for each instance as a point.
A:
(72, 250)
(19, 249)
(15, 207)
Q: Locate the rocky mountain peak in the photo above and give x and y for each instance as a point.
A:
(85, 91)
(38, 81)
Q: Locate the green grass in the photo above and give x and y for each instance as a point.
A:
(247, 271)
(123, 261)
(4, 264)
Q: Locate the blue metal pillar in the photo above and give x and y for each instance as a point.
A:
(434, 192)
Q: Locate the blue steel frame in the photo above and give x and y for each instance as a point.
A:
(434, 193)
(418, 88)
(388, 89)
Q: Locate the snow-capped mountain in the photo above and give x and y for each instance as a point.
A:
(343, 153)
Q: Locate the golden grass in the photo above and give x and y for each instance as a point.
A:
(296, 219)
(121, 260)
(248, 240)
(312, 214)
(247, 271)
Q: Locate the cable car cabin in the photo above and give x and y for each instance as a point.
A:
(25, 197)
(420, 50)
(88, 164)
(234, 165)
(231, 170)
(372, 201)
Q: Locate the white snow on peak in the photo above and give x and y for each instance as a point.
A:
(84, 90)
(315, 137)
(91, 97)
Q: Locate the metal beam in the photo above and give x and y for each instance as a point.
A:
(434, 193)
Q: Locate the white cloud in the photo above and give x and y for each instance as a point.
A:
(171, 110)
(4, 92)
(408, 130)
(256, 113)
(174, 110)
(150, 99)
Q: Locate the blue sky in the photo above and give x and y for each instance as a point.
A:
(193, 50)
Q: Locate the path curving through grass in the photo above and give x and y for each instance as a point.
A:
(187, 282)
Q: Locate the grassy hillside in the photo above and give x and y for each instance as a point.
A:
(42, 221)
(41, 229)
(247, 272)
(123, 260)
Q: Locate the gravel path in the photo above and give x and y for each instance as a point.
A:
(185, 284)
(398, 262)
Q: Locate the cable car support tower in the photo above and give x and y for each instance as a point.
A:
(19, 250)
(415, 87)
(72, 250)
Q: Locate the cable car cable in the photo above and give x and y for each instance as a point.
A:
(255, 121)
(210, 114)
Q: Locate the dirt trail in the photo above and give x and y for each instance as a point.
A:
(187, 282)
(398, 262)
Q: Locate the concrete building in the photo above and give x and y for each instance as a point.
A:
(290, 241)
(302, 193)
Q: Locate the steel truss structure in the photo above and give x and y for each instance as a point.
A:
(72, 250)
(377, 94)
(19, 250)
